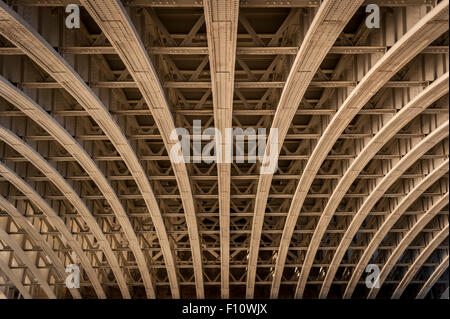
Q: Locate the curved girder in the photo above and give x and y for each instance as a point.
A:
(221, 25)
(37, 238)
(115, 23)
(437, 273)
(24, 103)
(65, 188)
(415, 40)
(22, 256)
(57, 222)
(413, 108)
(328, 23)
(390, 221)
(14, 279)
(419, 261)
(16, 30)
(406, 241)
(400, 167)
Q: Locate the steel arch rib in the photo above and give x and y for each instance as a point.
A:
(24, 103)
(13, 278)
(328, 23)
(406, 241)
(221, 24)
(410, 158)
(413, 108)
(37, 238)
(56, 221)
(419, 261)
(390, 221)
(58, 180)
(18, 252)
(15, 29)
(437, 273)
(115, 23)
(416, 39)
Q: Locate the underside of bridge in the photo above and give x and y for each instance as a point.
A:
(89, 177)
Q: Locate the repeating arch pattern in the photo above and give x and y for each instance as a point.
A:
(433, 278)
(361, 147)
(35, 112)
(116, 25)
(16, 30)
(406, 241)
(399, 210)
(328, 23)
(14, 279)
(437, 89)
(55, 177)
(18, 251)
(412, 156)
(37, 238)
(57, 222)
(415, 40)
(423, 256)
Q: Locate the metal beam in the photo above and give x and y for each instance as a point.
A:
(395, 124)
(401, 166)
(221, 24)
(114, 21)
(49, 124)
(41, 164)
(415, 40)
(57, 222)
(390, 221)
(242, 4)
(325, 28)
(406, 241)
(22, 256)
(437, 273)
(418, 262)
(40, 51)
(4, 268)
(38, 239)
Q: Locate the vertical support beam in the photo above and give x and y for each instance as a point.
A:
(221, 24)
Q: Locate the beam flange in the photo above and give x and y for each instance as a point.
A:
(221, 25)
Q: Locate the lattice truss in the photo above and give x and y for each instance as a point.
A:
(86, 176)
